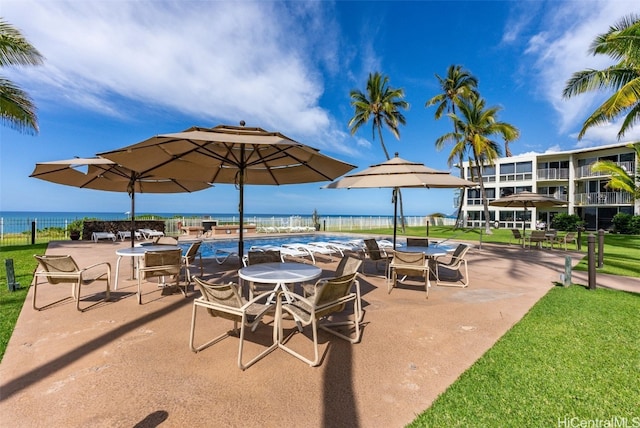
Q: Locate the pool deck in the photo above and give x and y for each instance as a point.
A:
(121, 364)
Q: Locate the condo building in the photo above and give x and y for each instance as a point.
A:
(563, 175)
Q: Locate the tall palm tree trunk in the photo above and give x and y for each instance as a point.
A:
(485, 203)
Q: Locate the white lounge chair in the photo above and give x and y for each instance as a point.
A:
(311, 249)
(286, 251)
(103, 235)
(222, 254)
(351, 246)
(150, 233)
(126, 234)
(343, 248)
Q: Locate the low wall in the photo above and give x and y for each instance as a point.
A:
(232, 228)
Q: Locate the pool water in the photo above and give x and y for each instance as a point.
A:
(208, 248)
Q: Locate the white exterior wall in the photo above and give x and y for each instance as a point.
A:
(585, 191)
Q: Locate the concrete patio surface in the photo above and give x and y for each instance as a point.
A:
(121, 364)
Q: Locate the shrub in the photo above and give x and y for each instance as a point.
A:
(626, 224)
(566, 222)
(76, 226)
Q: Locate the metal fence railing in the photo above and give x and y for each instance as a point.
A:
(25, 231)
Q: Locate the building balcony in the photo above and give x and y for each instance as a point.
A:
(559, 196)
(553, 174)
(603, 198)
(587, 172)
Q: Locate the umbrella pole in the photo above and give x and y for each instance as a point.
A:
(395, 215)
(133, 225)
(241, 206)
(524, 227)
(240, 231)
(133, 217)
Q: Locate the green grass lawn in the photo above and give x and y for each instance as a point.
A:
(11, 302)
(576, 354)
(621, 252)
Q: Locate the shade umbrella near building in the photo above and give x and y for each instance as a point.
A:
(230, 154)
(103, 174)
(526, 200)
(399, 173)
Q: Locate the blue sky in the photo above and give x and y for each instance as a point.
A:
(118, 72)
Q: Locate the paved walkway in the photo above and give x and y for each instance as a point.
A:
(123, 364)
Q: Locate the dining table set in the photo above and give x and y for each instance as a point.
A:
(280, 275)
(432, 252)
(136, 253)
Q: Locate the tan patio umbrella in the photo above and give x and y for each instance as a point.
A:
(230, 154)
(399, 173)
(103, 174)
(526, 200)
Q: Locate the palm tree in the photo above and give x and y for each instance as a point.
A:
(621, 179)
(16, 107)
(622, 43)
(381, 104)
(458, 85)
(476, 124)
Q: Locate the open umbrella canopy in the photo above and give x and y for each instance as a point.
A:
(103, 174)
(526, 200)
(230, 154)
(399, 173)
(225, 154)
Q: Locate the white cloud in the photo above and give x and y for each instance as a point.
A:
(553, 149)
(225, 61)
(601, 135)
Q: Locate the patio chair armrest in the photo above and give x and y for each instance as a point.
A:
(201, 301)
(344, 299)
(256, 299)
(293, 295)
(95, 265)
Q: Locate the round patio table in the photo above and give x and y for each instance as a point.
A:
(279, 274)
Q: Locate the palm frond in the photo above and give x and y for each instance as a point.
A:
(15, 49)
(16, 108)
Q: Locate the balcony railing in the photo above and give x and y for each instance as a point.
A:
(559, 196)
(604, 198)
(586, 171)
(553, 174)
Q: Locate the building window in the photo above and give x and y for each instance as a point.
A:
(488, 173)
(516, 171)
(474, 197)
(506, 191)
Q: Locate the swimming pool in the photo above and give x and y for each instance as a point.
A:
(208, 248)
